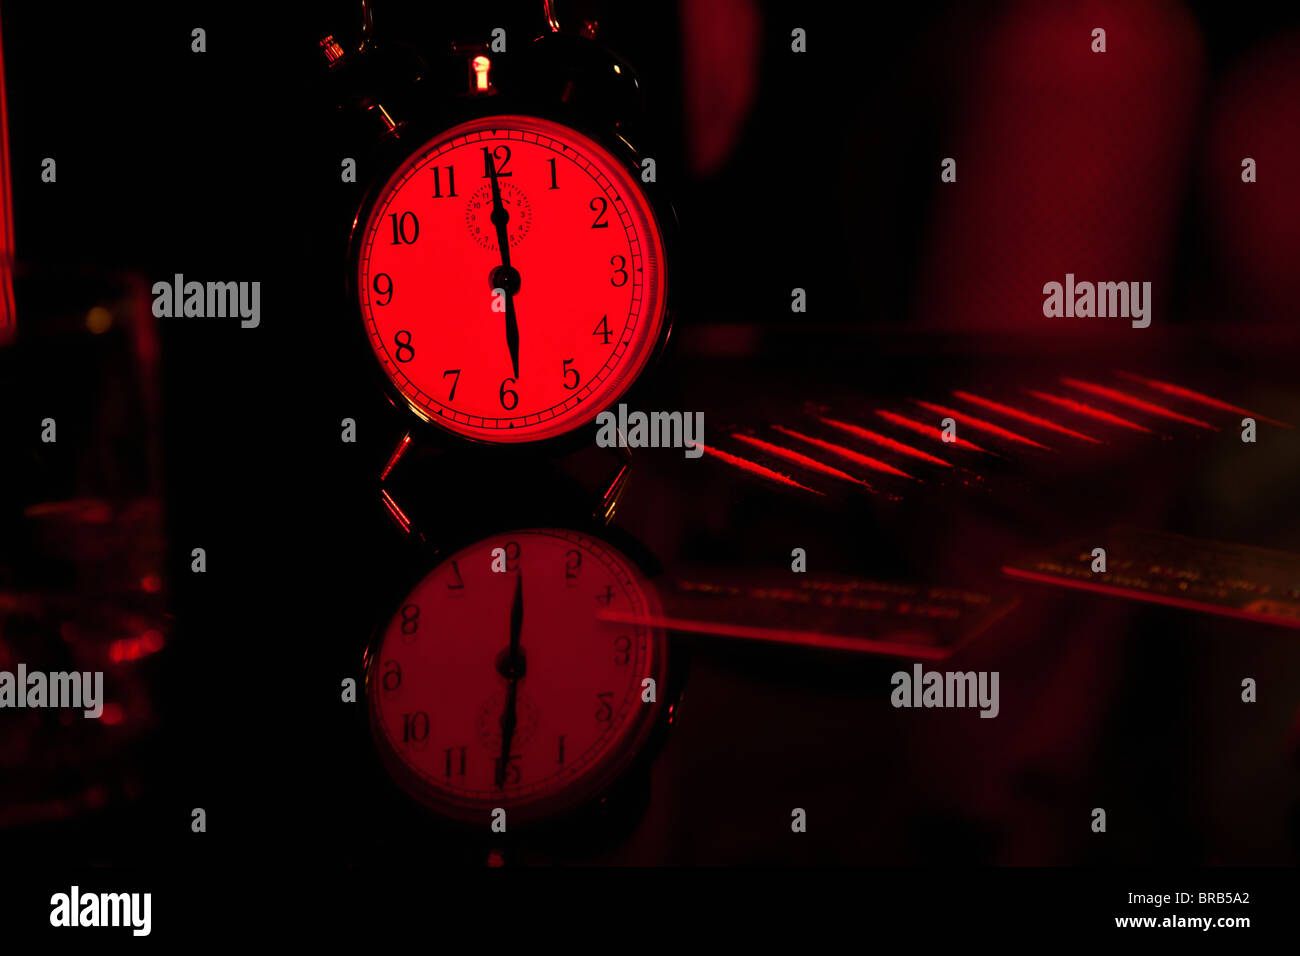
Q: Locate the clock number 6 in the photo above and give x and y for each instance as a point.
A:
(620, 269)
(392, 679)
(513, 400)
(509, 775)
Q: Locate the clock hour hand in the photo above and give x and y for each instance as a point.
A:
(517, 614)
(512, 332)
(511, 667)
(505, 277)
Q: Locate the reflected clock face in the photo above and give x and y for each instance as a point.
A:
(504, 688)
(511, 279)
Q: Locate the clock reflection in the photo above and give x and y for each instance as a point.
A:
(495, 683)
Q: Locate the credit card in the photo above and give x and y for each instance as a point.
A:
(828, 613)
(1233, 580)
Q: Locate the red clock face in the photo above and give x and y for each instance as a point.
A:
(511, 279)
(505, 688)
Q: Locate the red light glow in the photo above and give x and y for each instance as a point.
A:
(1023, 416)
(756, 469)
(979, 424)
(794, 456)
(6, 219)
(928, 430)
(482, 73)
(857, 457)
(1084, 409)
(398, 514)
(396, 456)
(1178, 391)
(884, 441)
(133, 648)
(1125, 399)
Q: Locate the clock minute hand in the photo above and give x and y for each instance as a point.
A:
(500, 214)
(512, 333)
(513, 668)
(507, 275)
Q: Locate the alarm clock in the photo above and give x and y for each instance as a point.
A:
(494, 687)
(510, 264)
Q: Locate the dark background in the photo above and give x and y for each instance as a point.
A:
(224, 166)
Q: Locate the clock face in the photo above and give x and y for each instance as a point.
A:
(493, 688)
(511, 279)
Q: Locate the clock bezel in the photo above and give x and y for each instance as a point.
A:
(561, 808)
(397, 151)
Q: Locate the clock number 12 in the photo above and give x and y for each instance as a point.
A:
(496, 154)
